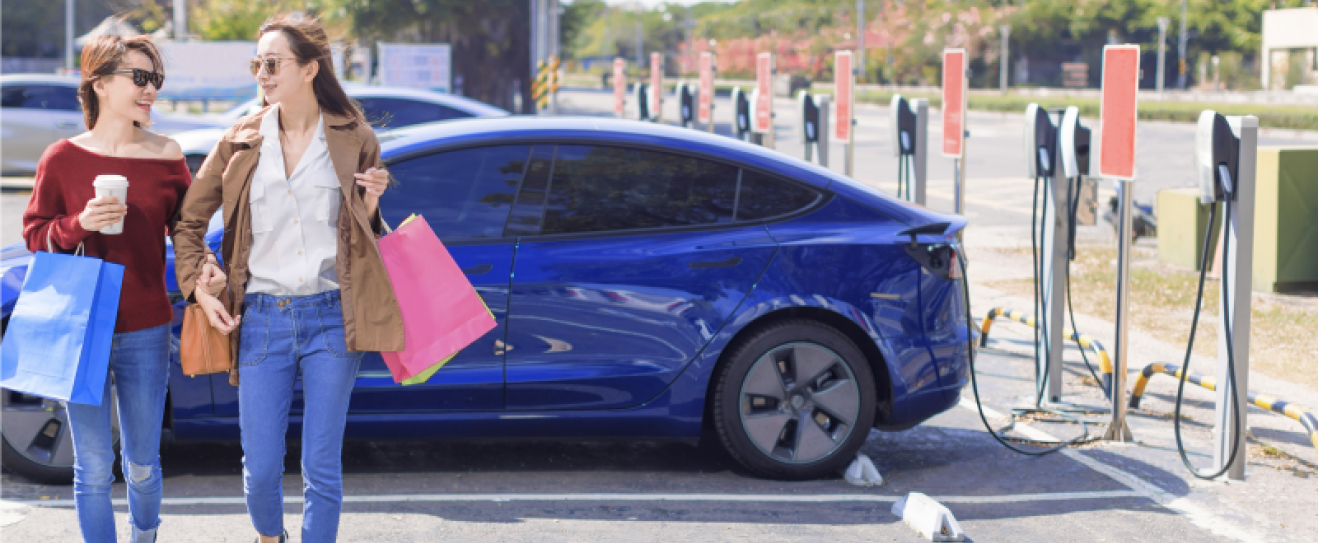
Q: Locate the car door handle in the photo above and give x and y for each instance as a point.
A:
(725, 263)
(481, 269)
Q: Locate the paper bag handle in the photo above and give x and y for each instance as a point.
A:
(50, 247)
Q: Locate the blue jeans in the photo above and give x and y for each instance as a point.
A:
(280, 336)
(139, 364)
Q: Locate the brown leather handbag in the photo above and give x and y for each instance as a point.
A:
(203, 350)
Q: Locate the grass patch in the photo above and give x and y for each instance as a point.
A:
(1282, 342)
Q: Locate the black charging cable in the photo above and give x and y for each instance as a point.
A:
(1052, 446)
(1070, 255)
(1230, 350)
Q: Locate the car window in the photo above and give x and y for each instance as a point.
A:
(399, 112)
(763, 196)
(463, 195)
(599, 188)
(42, 97)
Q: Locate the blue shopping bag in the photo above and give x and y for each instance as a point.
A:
(58, 341)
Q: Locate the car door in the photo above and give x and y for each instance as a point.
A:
(465, 196)
(65, 112)
(629, 262)
(26, 126)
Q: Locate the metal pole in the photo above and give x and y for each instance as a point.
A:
(1236, 290)
(1005, 31)
(824, 124)
(1163, 22)
(1180, 48)
(68, 35)
(1052, 285)
(1117, 430)
(959, 178)
(640, 40)
(860, 40)
(554, 10)
(921, 151)
(180, 20)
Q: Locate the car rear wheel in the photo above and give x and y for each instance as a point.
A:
(37, 438)
(794, 401)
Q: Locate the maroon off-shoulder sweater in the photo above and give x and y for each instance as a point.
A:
(156, 187)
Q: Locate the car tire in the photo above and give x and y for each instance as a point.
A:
(47, 460)
(794, 400)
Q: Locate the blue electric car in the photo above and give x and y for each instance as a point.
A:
(648, 282)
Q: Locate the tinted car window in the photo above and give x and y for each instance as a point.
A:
(763, 197)
(596, 189)
(463, 194)
(42, 97)
(399, 112)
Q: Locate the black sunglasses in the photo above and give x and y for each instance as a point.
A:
(142, 77)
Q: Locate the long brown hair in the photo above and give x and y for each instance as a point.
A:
(309, 43)
(100, 57)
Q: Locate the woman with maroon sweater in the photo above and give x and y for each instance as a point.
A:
(120, 78)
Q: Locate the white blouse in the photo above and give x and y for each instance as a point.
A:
(294, 220)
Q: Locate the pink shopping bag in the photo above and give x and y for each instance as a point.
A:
(442, 313)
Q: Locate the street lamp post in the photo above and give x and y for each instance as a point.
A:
(1163, 22)
(1180, 49)
(1005, 31)
(68, 35)
(860, 40)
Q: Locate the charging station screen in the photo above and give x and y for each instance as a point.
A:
(705, 107)
(1118, 111)
(763, 81)
(954, 101)
(843, 80)
(619, 85)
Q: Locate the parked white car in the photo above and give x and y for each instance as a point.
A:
(40, 109)
(385, 108)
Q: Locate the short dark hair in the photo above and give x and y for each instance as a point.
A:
(102, 56)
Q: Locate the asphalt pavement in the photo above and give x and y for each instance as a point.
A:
(649, 491)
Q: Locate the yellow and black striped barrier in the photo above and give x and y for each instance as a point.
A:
(1086, 342)
(1265, 401)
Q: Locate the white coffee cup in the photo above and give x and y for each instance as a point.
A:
(113, 186)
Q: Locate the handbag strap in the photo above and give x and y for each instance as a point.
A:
(50, 246)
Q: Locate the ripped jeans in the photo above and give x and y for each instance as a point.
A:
(139, 364)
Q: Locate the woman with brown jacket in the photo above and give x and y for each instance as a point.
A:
(300, 184)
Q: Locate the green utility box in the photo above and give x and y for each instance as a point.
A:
(1181, 224)
(1285, 219)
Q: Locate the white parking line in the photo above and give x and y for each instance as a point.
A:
(1198, 515)
(637, 497)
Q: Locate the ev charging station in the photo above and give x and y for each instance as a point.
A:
(814, 125)
(641, 96)
(955, 88)
(705, 99)
(762, 100)
(1057, 151)
(1226, 149)
(741, 109)
(910, 136)
(686, 102)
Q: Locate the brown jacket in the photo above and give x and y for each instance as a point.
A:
(371, 318)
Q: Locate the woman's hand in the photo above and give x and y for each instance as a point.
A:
(212, 278)
(374, 180)
(101, 212)
(215, 312)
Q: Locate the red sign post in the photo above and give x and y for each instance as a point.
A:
(705, 109)
(1118, 110)
(764, 83)
(843, 81)
(619, 85)
(656, 84)
(954, 102)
